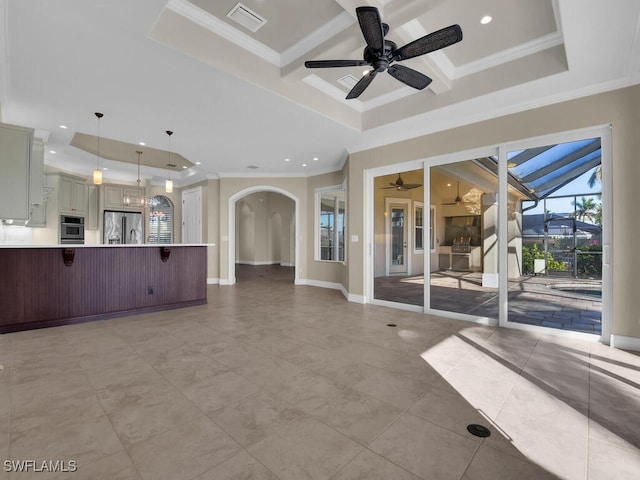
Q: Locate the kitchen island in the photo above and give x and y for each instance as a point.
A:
(45, 286)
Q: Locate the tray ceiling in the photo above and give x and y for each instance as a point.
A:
(238, 100)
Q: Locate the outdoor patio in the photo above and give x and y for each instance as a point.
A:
(532, 300)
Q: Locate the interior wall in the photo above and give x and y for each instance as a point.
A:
(211, 211)
(324, 271)
(263, 229)
(230, 187)
(282, 215)
(620, 108)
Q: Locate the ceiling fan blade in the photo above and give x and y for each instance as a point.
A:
(410, 186)
(429, 43)
(360, 87)
(334, 63)
(409, 76)
(372, 29)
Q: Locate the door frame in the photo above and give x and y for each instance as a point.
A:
(186, 192)
(599, 131)
(604, 133)
(233, 199)
(390, 202)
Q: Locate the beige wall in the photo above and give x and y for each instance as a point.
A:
(323, 271)
(231, 187)
(620, 108)
(265, 229)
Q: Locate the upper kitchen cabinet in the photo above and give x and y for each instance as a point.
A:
(71, 193)
(114, 195)
(15, 164)
(38, 195)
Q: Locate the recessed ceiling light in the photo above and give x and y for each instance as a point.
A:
(287, 160)
(184, 166)
(52, 151)
(486, 19)
(63, 126)
(315, 159)
(304, 164)
(198, 163)
(448, 184)
(105, 168)
(142, 143)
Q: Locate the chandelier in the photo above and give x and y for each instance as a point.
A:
(138, 200)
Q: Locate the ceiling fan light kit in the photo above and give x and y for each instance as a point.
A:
(379, 54)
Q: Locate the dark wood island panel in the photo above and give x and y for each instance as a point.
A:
(37, 288)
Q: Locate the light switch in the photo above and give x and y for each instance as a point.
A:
(354, 238)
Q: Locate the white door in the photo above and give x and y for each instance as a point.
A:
(397, 237)
(192, 216)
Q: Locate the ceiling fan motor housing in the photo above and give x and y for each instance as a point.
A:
(382, 62)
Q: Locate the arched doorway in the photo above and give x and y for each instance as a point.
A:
(286, 253)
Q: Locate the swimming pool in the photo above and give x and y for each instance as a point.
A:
(589, 289)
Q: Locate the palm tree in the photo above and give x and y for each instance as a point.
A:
(586, 209)
(597, 217)
(596, 176)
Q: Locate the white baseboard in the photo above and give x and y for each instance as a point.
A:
(352, 297)
(255, 264)
(213, 281)
(323, 284)
(625, 343)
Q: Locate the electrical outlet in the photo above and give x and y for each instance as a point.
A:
(150, 290)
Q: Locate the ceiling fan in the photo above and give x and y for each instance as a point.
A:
(458, 199)
(379, 53)
(400, 185)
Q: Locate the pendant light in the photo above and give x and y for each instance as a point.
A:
(168, 187)
(139, 200)
(97, 173)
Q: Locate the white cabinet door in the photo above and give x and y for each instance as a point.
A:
(15, 162)
(72, 196)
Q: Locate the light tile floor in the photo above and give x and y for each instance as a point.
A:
(276, 381)
(532, 300)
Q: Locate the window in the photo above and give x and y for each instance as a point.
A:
(432, 228)
(331, 222)
(161, 220)
(419, 227)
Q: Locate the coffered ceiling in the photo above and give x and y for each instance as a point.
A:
(242, 103)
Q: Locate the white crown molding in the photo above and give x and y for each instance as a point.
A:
(482, 108)
(505, 56)
(312, 173)
(317, 37)
(219, 27)
(43, 135)
(397, 94)
(333, 91)
(4, 55)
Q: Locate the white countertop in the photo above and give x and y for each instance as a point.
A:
(154, 245)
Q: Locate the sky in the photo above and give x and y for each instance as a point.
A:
(579, 187)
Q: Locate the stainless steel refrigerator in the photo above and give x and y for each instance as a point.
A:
(122, 227)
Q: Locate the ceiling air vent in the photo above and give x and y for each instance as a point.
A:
(253, 167)
(348, 81)
(246, 17)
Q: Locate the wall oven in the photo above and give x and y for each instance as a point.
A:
(71, 229)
